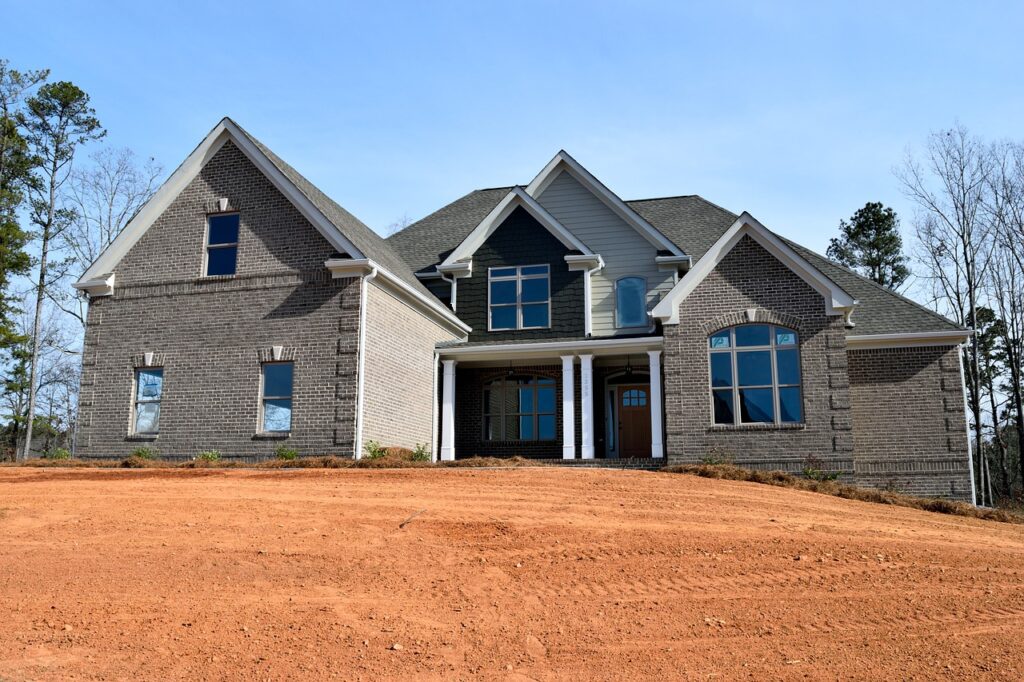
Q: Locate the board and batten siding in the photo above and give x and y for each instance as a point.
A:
(626, 253)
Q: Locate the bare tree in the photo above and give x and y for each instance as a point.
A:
(949, 184)
(103, 197)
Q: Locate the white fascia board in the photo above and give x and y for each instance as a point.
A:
(563, 161)
(584, 261)
(906, 340)
(99, 286)
(186, 172)
(516, 197)
(837, 301)
(548, 349)
(341, 268)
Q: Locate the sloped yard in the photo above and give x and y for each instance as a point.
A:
(541, 573)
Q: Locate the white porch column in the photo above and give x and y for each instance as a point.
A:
(657, 445)
(448, 412)
(587, 407)
(568, 409)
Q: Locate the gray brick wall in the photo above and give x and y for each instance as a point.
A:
(908, 416)
(751, 278)
(399, 375)
(211, 334)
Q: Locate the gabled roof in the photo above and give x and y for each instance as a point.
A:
(339, 227)
(515, 198)
(837, 300)
(563, 162)
(694, 224)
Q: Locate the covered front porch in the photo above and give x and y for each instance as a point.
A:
(592, 399)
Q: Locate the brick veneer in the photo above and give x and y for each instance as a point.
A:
(751, 279)
(210, 334)
(908, 416)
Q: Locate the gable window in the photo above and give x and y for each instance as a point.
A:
(276, 398)
(755, 375)
(519, 408)
(631, 302)
(221, 244)
(519, 297)
(149, 388)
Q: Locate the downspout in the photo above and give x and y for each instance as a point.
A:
(451, 296)
(361, 363)
(433, 411)
(588, 313)
(967, 425)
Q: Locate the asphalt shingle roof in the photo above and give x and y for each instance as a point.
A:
(362, 237)
(694, 225)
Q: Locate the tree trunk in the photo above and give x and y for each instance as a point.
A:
(997, 436)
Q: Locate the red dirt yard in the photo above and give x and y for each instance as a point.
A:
(530, 573)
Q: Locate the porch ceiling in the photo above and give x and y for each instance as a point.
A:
(550, 350)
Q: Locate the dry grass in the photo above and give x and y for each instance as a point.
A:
(781, 479)
(397, 458)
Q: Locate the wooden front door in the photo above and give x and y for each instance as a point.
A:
(634, 408)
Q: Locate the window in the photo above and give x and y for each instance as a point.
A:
(276, 402)
(634, 397)
(755, 375)
(519, 297)
(221, 244)
(631, 302)
(149, 387)
(519, 408)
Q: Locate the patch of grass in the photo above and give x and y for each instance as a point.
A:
(208, 456)
(729, 472)
(471, 462)
(286, 453)
(420, 453)
(327, 462)
(374, 450)
(59, 453)
(143, 452)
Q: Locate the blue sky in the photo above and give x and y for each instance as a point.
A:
(796, 112)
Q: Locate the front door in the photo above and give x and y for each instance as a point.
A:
(634, 408)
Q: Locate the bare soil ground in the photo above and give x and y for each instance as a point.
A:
(535, 573)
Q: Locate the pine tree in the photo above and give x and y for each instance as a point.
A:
(871, 244)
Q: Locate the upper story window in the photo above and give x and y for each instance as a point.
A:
(519, 297)
(276, 398)
(221, 244)
(149, 389)
(519, 408)
(631, 302)
(755, 375)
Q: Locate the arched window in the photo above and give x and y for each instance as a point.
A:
(631, 302)
(755, 375)
(519, 407)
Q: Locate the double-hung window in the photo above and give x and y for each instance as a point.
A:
(221, 244)
(276, 397)
(755, 375)
(149, 388)
(519, 297)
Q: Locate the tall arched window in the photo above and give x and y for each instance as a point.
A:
(519, 407)
(631, 302)
(755, 375)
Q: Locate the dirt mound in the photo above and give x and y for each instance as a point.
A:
(529, 573)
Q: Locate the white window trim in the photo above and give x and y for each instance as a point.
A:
(207, 246)
(518, 279)
(647, 314)
(737, 418)
(135, 401)
(261, 426)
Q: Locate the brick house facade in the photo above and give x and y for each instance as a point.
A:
(551, 320)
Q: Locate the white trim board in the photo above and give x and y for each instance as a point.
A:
(837, 301)
(907, 340)
(552, 349)
(493, 220)
(564, 162)
(184, 174)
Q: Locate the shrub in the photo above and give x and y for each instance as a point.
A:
(374, 450)
(814, 471)
(209, 456)
(420, 453)
(59, 453)
(717, 456)
(143, 453)
(286, 453)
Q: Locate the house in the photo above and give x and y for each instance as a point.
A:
(242, 309)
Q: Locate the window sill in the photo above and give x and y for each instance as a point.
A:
(215, 278)
(273, 435)
(716, 428)
(142, 436)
